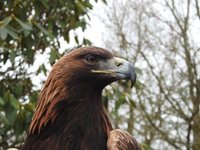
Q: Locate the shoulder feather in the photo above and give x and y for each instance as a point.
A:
(121, 140)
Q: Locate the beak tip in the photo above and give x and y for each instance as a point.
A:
(133, 80)
(132, 83)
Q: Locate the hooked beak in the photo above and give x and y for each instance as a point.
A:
(118, 68)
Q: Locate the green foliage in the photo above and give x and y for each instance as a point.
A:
(28, 28)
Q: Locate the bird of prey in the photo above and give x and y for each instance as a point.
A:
(70, 114)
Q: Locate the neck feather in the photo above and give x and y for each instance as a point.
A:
(79, 118)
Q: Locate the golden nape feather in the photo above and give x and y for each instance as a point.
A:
(70, 113)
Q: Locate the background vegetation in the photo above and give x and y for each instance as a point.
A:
(29, 29)
(160, 37)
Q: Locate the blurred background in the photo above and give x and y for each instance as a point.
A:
(160, 37)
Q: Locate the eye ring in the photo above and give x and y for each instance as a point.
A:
(91, 59)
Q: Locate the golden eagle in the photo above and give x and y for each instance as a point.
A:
(70, 114)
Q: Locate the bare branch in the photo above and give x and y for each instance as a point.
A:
(197, 8)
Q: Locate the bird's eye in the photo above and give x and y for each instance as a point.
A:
(91, 59)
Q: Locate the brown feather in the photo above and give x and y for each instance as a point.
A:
(121, 140)
(70, 114)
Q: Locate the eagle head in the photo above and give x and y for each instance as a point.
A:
(70, 113)
(94, 67)
(79, 75)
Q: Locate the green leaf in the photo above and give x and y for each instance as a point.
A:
(12, 33)
(26, 26)
(4, 119)
(76, 39)
(7, 20)
(30, 56)
(44, 69)
(80, 7)
(11, 115)
(138, 85)
(29, 107)
(14, 101)
(86, 42)
(6, 96)
(3, 33)
(146, 147)
(119, 102)
(132, 103)
(27, 33)
(2, 101)
(18, 127)
(33, 98)
(53, 56)
(45, 4)
(44, 30)
(12, 56)
(18, 89)
(67, 37)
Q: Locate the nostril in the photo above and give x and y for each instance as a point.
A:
(119, 64)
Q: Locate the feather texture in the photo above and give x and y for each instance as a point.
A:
(121, 140)
(70, 114)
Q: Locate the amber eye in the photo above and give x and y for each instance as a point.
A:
(91, 59)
